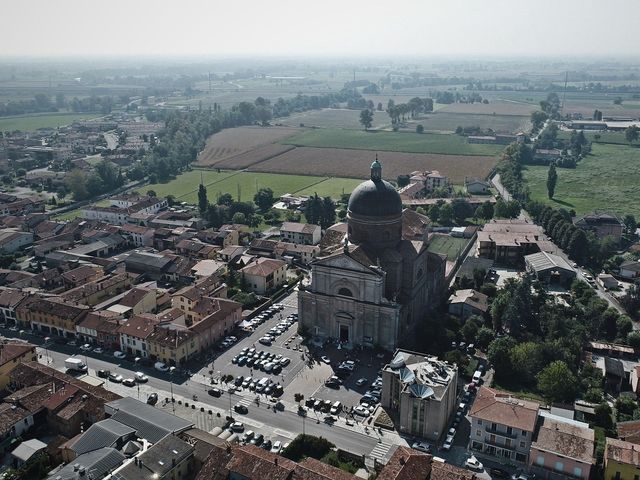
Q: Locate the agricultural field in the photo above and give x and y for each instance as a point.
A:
(606, 180)
(333, 118)
(239, 140)
(335, 162)
(332, 187)
(447, 245)
(30, 123)
(390, 142)
(494, 107)
(247, 159)
(445, 122)
(604, 137)
(185, 187)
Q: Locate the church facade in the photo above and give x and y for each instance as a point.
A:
(372, 284)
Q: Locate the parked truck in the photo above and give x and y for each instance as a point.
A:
(75, 364)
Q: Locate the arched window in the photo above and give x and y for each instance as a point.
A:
(345, 292)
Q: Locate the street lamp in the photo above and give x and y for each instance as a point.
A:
(46, 348)
(136, 360)
(173, 403)
(230, 393)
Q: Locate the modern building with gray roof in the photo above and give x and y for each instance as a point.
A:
(149, 422)
(94, 464)
(422, 390)
(549, 268)
(105, 433)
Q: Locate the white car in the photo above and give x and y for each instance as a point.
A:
(276, 447)
(472, 463)
(141, 377)
(119, 354)
(325, 359)
(86, 347)
(266, 341)
(447, 443)
(160, 366)
(360, 410)
(237, 427)
(422, 446)
(98, 350)
(128, 382)
(361, 381)
(452, 432)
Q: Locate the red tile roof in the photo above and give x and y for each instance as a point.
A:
(501, 408)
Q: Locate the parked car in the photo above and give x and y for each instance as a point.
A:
(473, 463)
(215, 392)
(266, 445)
(141, 377)
(265, 341)
(361, 381)
(326, 359)
(98, 350)
(277, 447)
(498, 473)
(129, 382)
(152, 399)
(115, 377)
(103, 373)
(119, 354)
(257, 439)
(447, 443)
(160, 366)
(239, 408)
(86, 347)
(236, 427)
(360, 410)
(422, 446)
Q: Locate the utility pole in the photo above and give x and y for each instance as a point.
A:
(564, 95)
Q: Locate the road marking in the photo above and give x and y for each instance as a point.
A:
(284, 433)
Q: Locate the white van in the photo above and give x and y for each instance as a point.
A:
(335, 408)
(477, 376)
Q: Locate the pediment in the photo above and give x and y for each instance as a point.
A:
(344, 262)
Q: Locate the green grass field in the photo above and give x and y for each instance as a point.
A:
(606, 180)
(185, 187)
(30, 123)
(447, 245)
(605, 137)
(390, 141)
(444, 121)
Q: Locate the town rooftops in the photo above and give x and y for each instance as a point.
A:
(13, 349)
(99, 463)
(501, 408)
(28, 449)
(472, 298)
(252, 462)
(407, 464)
(421, 376)
(295, 227)
(565, 437)
(139, 326)
(598, 218)
(629, 431)
(263, 267)
(149, 422)
(104, 433)
(543, 261)
(632, 265)
(10, 298)
(622, 452)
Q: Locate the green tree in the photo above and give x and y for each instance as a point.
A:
(484, 337)
(76, 182)
(552, 179)
(203, 203)
(557, 382)
(469, 331)
(527, 360)
(264, 198)
(225, 199)
(499, 354)
(446, 214)
(631, 134)
(366, 118)
(630, 223)
(461, 209)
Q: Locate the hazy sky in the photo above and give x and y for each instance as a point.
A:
(321, 27)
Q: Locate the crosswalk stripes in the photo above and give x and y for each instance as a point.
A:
(381, 449)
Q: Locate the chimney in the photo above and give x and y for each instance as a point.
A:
(402, 461)
(275, 460)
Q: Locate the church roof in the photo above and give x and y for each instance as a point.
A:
(375, 198)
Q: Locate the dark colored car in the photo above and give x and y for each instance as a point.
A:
(215, 392)
(153, 399)
(498, 473)
(266, 445)
(103, 373)
(257, 439)
(239, 408)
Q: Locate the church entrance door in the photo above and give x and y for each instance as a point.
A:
(344, 333)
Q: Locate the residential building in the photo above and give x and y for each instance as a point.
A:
(188, 297)
(508, 241)
(630, 269)
(134, 333)
(81, 276)
(476, 186)
(264, 275)
(12, 240)
(601, 224)
(27, 452)
(629, 431)
(502, 426)
(100, 328)
(467, 302)
(614, 375)
(302, 233)
(136, 301)
(19, 412)
(140, 236)
(562, 448)
(215, 321)
(550, 269)
(547, 154)
(621, 460)
(12, 353)
(9, 300)
(422, 391)
(607, 281)
(95, 292)
(172, 346)
(430, 180)
(51, 315)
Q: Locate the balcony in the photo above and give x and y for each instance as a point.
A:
(495, 431)
(487, 440)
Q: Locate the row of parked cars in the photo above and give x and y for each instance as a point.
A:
(279, 329)
(115, 377)
(257, 439)
(261, 360)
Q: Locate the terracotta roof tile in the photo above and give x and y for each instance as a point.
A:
(500, 407)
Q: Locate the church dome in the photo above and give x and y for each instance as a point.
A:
(375, 197)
